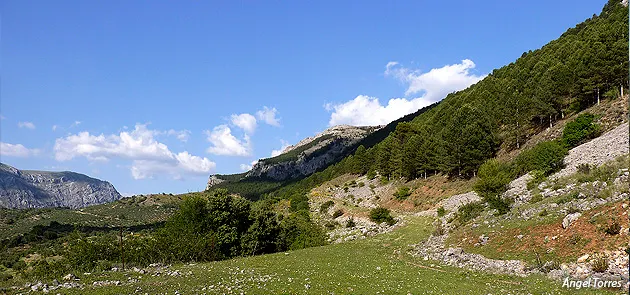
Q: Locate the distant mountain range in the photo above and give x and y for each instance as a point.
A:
(37, 189)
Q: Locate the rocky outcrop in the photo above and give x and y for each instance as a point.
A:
(311, 154)
(38, 189)
(596, 152)
(212, 181)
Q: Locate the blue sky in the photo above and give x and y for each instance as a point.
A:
(154, 96)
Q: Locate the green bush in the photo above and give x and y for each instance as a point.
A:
(613, 229)
(494, 176)
(325, 206)
(371, 174)
(469, 211)
(536, 198)
(546, 157)
(579, 130)
(600, 263)
(380, 215)
(350, 223)
(402, 193)
(441, 211)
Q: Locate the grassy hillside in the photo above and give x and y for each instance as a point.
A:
(383, 267)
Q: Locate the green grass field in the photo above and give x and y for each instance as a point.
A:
(377, 265)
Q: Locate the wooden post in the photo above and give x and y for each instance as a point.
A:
(122, 249)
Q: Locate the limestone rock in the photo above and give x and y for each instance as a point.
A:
(37, 189)
(566, 222)
(311, 154)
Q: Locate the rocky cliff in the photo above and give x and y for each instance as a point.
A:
(37, 189)
(311, 154)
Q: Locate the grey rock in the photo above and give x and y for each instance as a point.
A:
(314, 153)
(566, 222)
(37, 189)
(212, 181)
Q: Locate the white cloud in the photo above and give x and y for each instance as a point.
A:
(268, 115)
(54, 127)
(225, 144)
(277, 152)
(433, 86)
(185, 164)
(181, 135)
(75, 124)
(244, 121)
(149, 157)
(28, 125)
(16, 150)
(436, 83)
(247, 167)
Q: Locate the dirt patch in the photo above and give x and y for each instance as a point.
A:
(584, 236)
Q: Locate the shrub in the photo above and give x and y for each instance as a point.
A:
(372, 186)
(494, 176)
(568, 197)
(579, 130)
(536, 198)
(599, 263)
(469, 211)
(613, 229)
(546, 156)
(337, 213)
(325, 206)
(384, 180)
(441, 211)
(5, 277)
(350, 223)
(371, 174)
(331, 225)
(572, 210)
(380, 215)
(402, 193)
(543, 213)
(575, 239)
(439, 229)
(584, 168)
(361, 184)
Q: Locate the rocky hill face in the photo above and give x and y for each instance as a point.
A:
(311, 154)
(37, 189)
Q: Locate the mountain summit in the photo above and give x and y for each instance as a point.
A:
(36, 189)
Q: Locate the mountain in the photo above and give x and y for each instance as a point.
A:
(311, 154)
(586, 64)
(37, 189)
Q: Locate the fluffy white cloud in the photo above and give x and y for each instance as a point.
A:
(16, 150)
(269, 116)
(436, 83)
(225, 144)
(285, 144)
(181, 135)
(244, 121)
(149, 156)
(54, 127)
(185, 164)
(28, 125)
(432, 86)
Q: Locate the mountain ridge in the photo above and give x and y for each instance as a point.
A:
(22, 189)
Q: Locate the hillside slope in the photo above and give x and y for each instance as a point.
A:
(37, 189)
